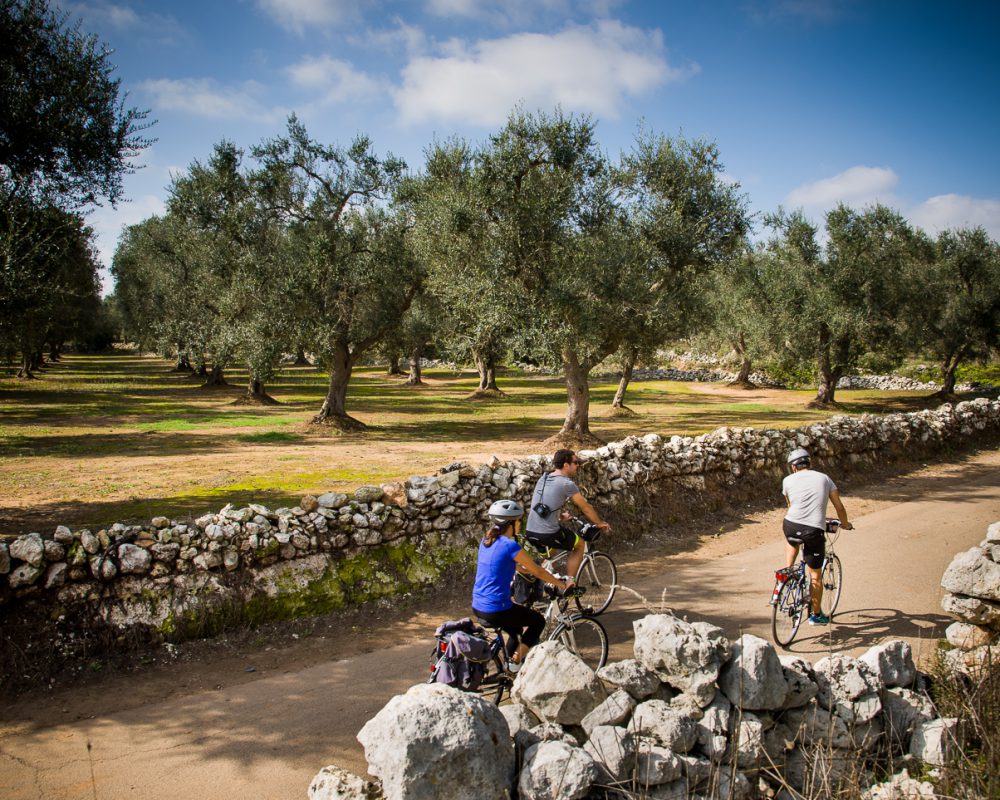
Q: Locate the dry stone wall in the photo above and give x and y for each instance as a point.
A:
(170, 578)
(691, 715)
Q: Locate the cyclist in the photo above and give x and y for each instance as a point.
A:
(544, 522)
(807, 491)
(499, 556)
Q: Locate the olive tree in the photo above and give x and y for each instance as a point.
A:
(352, 270)
(834, 304)
(688, 219)
(958, 297)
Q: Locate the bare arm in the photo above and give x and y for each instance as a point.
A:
(841, 511)
(526, 563)
(588, 511)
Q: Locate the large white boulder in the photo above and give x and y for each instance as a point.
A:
(753, 677)
(669, 726)
(632, 676)
(972, 609)
(555, 771)
(557, 685)
(614, 711)
(613, 750)
(972, 573)
(935, 742)
(892, 661)
(848, 687)
(713, 728)
(800, 680)
(438, 741)
(684, 656)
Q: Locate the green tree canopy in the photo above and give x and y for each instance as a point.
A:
(65, 133)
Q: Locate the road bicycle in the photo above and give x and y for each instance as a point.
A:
(597, 576)
(790, 596)
(580, 633)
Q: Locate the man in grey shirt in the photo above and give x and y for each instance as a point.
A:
(544, 530)
(807, 491)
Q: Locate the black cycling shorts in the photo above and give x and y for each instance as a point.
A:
(813, 542)
(562, 539)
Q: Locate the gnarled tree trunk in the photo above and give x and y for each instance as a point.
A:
(414, 378)
(334, 409)
(216, 377)
(827, 374)
(300, 358)
(575, 431)
(628, 367)
(183, 362)
(394, 368)
(256, 394)
(25, 371)
(948, 366)
(743, 377)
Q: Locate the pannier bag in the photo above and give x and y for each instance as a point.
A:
(460, 655)
(525, 590)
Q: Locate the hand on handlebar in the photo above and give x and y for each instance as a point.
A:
(847, 526)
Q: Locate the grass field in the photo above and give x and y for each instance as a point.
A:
(116, 437)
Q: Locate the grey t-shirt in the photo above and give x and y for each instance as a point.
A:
(553, 490)
(808, 492)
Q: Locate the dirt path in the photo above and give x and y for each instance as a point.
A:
(217, 730)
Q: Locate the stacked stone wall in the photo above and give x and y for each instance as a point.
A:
(173, 578)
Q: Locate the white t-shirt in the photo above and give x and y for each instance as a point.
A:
(808, 492)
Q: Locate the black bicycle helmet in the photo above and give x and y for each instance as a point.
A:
(505, 511)
(799, 457)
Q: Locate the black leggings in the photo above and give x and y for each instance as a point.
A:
(513, 621)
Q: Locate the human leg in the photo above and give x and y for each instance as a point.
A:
(791, 553)
(575, 558)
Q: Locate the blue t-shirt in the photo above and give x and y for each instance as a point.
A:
(494, 572)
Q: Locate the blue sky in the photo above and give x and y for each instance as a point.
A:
(811, 102)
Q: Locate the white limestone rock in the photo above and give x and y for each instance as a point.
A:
(557, 685)
(800, 680)
(848, 687)
(632, 676)
(334, 783)
(680, 654)
(435, 736)
(614, 711)
(892, 662)
(753, 677)
(613, 750)
(935, 742)
(556, 771)
(669, 726)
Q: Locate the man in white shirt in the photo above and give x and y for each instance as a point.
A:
(807, 492)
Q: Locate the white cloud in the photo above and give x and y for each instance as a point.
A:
(297, 15)
(583, 68)
(857, 186)
(517, 12)
(335, 80)
(125, 19)
(204, 97)
(957, 211)
(408, 39)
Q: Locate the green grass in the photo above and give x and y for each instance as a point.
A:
(102, 438)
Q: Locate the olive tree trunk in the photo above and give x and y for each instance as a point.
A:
(334, 409)
(627, 369)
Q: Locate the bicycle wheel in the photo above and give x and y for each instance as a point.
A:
(787, 612)
(833, 579)
(586, 637)
(495, 682)
(598, 577)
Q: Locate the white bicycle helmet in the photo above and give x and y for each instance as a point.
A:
(799, 457)
(505, 511)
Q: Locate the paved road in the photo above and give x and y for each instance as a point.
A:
(268, 737)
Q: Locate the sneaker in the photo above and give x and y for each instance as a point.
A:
(513, 667)
(819, 619)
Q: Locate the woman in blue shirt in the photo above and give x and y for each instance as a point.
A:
(499, 556)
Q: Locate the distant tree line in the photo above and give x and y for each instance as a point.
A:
(66, 140)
